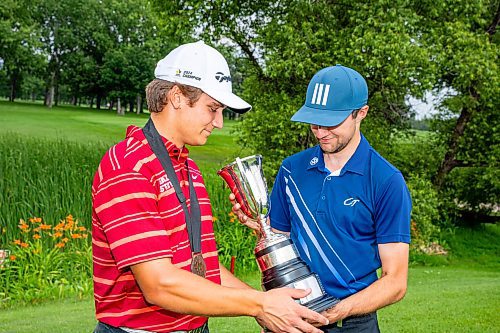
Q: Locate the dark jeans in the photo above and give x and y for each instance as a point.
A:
(105, 328)
(364, 324)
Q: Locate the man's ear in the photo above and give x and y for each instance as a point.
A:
(362, 113)
(175, 97)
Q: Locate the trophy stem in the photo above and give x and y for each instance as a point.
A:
(266, 231)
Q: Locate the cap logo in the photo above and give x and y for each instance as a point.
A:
(320, 90)
(190, 75)
(313, 161)
(178, 72)
(219, 76)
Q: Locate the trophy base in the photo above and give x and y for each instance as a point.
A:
(321, 304)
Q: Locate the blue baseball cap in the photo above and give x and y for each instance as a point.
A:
(333, 93)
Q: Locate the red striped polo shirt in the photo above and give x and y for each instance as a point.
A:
(136, 217)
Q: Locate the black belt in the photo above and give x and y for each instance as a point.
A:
(340, 323)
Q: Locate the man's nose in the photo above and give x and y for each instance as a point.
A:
(218, 121)
(322, 132)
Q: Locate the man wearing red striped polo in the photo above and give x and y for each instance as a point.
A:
(156, 267)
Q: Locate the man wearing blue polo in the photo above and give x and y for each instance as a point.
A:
(345, 207)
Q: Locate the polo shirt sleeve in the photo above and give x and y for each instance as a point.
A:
(279, 213)
(393, 211)
(125, 203)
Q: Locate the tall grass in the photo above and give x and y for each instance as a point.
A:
(51, 179)
(48, 179)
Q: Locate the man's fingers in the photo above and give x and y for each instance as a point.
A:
(313, 317)
(308, 328)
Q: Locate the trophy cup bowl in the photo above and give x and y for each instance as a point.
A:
(276, 255)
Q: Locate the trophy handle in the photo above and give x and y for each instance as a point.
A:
(232, 180)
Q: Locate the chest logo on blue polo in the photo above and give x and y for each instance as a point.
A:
(350, 202)
(313, 161)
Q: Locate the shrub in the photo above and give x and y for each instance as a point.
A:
(425, 212)
(46, 262)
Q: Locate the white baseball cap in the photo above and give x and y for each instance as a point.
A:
(201, 66)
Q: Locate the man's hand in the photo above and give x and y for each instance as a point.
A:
(337, 312)
(280, 313)
(245, 220)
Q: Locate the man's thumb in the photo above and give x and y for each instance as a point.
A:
(299, 293)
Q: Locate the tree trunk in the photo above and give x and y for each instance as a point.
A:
(139, 104)
(131, 105)
(91, 102)
(50, 97)
(98, 101)
(57, 96)
(118, 107)
(450, 161)
(12, 93)
(13, 85)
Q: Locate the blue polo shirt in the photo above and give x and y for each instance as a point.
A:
(336, 222)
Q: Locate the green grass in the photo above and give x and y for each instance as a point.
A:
(442, 299)
(84, 125)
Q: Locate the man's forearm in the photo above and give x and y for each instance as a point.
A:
(390, 288)
(183, 292)
(383, 292)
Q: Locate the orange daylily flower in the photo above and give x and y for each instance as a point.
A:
(65, 239)
(17, 242)
(12, 257)
(76, 236)
(45, 226)
(57, 234)
(37, 236)
(214, 219)
(82, 228)
(24, 245)
(60, 245)
(59, 226)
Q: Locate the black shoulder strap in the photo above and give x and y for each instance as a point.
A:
(193, 218)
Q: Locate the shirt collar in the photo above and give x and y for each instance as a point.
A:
(316, 159)
(356, 163)
(178, 154)
(359, 160)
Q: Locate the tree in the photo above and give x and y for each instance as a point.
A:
(18, 36)
(469, 66)
(285, 43)
(403, 48)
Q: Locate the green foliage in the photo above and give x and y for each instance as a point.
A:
(46, 262)
(45, 178)
(416, 153)
(425, 213)
(483, 201)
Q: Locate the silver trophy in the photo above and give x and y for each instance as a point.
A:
(276, 255)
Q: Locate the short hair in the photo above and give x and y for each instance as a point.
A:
(355, 113)
(157, 92)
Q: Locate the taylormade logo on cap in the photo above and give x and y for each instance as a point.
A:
(201, 66)
(332, 94)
